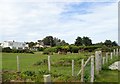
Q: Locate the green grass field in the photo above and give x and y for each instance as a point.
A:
(61, 68)
(27, 61)
(108, 76)
(60, 64)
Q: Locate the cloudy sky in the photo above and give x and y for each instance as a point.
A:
(30, 20)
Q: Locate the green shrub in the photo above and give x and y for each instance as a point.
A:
(50, 50)
(73, 49)
(105, 48)
(0, 49)
(8, 76)
(40, 49)
(29, 73)
(43, 72)
(46, 52)
(7, 49)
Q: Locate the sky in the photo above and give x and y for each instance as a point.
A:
(31, 20)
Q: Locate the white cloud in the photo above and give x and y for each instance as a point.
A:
(26, 21)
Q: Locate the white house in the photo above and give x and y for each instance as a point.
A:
(14, 45)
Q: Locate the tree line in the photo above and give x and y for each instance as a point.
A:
(57, 45)
(79, 41)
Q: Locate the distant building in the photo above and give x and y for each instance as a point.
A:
(39, 46)
(14, 45)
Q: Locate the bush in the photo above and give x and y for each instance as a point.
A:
(7, 76)
(29, 52)
(7, 49)
(0, 49)
(29, 73)
(105, 49)
(89, 48)
(40, 49)
(50, 50)
(73, 49)
(46, 52)
(43, 72)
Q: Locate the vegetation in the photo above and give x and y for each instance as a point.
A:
(48, 41)
(79, 41)
(9, 50)
(108, 76)
(33, 65)
(30, 63)
(76, 49)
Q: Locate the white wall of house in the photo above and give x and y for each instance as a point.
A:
(12, 45)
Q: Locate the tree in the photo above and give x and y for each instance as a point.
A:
(57, 41)
(30, 44)
(62, 43)
(114, 43)
(48, 40)
(78, 41)
(39, 41)
(108, 43)
(86, 41)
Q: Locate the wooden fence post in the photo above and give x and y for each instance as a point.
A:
(47, 79)
(84, 65)
(117, 52)
(97, 62)
(114, 51)
(100, 60)
(18, 64)
(72, 67)
(92, 68)
(103, 60)
(106, 57)
(82, 70)
(111, 55)
(49, 68)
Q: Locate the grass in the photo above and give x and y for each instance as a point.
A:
(107, 76)
(27, 61)
(60, 67)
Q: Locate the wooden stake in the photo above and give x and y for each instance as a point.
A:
(72, 67)
(92, 68)
(84, 65)
(111, 55)
(114, 52)
(49, 68)
(18, 64)
(106, 57)
(82, 70)
(103, 60)
(97, 62)
(117, 52)
(100, 60)
(47, 79)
